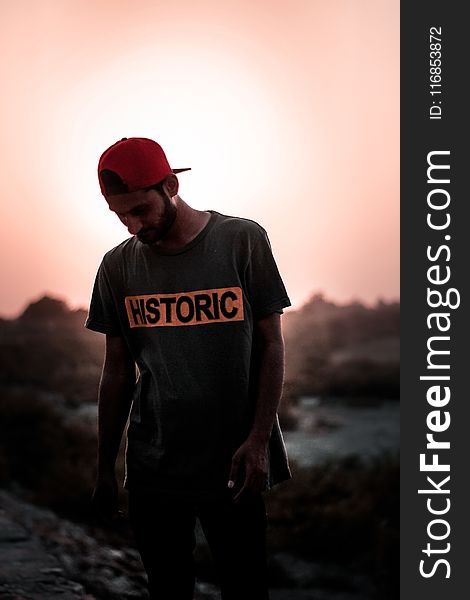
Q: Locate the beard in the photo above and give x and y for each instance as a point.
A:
(153, 234)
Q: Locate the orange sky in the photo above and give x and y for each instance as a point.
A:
(287, 112)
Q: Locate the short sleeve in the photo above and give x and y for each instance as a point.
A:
(264, 286)
(102, 314)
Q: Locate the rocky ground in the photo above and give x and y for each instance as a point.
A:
(43, 557)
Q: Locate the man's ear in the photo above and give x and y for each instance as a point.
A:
(171, 185)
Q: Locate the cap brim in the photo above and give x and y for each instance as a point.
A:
(181, 170)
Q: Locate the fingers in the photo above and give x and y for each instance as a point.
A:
(254, 483)
(240, 495)
(248, 471)
(234, 470)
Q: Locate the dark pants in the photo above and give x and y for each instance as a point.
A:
(235, 533)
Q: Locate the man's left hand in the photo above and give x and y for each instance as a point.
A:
(250, 461)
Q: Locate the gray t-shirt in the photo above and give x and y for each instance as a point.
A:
(187, 317)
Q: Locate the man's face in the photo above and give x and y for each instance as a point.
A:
(148, 215)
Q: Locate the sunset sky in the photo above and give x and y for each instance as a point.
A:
(287, 112)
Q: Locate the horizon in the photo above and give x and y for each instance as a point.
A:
(314, 295)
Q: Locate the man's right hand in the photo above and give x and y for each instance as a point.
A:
(104, 501)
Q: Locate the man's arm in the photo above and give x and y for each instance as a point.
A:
(251, 458)
(114, 402)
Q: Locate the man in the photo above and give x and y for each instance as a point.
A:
(193, 299)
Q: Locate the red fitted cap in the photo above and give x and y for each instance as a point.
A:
(138, 162)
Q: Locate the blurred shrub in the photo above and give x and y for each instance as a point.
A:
(340, 350)
(60, 356)
(362, 377)
(344, 511)
(45, 454)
